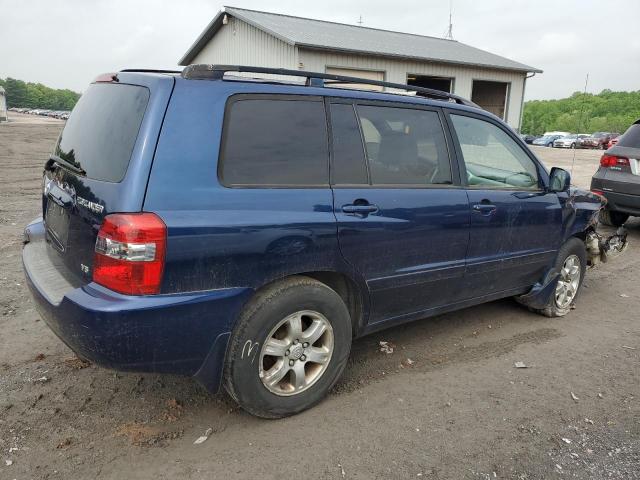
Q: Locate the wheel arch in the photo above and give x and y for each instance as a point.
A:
(353, 293)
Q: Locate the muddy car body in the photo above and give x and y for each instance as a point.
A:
(175, 240)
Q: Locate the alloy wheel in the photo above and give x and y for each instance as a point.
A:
(568, 282)
(296, 353)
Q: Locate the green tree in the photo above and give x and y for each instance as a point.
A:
(583, 113)
(36, 95)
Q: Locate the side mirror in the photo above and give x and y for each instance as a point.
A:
(559, 180)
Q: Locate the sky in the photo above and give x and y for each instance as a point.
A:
(65, 44)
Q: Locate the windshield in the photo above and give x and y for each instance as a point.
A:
(599, 135)
(99, 136)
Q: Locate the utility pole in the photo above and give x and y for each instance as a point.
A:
(360, 21)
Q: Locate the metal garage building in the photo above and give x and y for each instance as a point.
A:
(3, 106)
(248, 37)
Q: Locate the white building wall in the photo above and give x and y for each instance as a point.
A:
(3, 106)
(238, 43)
(396, 70)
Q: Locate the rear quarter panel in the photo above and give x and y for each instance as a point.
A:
(221, 237)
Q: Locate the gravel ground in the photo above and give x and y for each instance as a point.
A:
(461, 410)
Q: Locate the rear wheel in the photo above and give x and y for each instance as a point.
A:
(288, 349)
(612, 218)
(571, 264)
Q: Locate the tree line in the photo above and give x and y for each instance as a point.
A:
(36, 95)
(606, 111)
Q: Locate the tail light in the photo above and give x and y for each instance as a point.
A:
(106, 78)
(613, 161)
(130, 253)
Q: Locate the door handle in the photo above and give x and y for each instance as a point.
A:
(361, 210)
(484, 208)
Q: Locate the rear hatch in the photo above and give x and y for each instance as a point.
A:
(624, 177)
(100, 165)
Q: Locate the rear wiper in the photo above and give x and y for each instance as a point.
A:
(66, 164)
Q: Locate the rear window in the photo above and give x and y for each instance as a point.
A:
(631, 137)
(102, 130)
(405, 146)
(275, 142)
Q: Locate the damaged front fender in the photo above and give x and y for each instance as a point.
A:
(580, 220)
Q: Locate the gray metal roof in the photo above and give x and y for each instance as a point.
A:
(319, 34)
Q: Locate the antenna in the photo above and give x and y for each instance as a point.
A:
(449, 34)
(360, 21)
(584, 100)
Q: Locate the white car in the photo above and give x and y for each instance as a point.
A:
(568, 141)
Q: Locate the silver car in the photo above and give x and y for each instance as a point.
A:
(568, 141)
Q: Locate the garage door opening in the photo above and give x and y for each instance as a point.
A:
(443, 84)
(491, 96)
(350, 72)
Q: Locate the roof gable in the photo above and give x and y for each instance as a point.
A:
(319, 34)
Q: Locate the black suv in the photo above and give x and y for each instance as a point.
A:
(618, 178)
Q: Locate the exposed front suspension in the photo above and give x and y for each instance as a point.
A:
(601, 249)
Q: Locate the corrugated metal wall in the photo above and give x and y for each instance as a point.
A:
(239, 43)
(3, 105)
(397, 70)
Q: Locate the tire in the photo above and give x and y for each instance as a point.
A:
(558, 307)
(573, 145)
(612, 218)
(248, 364)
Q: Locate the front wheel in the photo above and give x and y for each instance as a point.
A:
(573, 145)
(288, 349)
(571, 265)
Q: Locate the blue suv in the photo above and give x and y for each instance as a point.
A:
(243, 231)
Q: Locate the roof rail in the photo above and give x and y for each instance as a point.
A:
(313, 79)
(148, 70)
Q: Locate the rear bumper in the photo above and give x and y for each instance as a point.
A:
(616, 201)
(180, 333)
(622, 202)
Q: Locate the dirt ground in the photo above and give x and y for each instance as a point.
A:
(460, 411)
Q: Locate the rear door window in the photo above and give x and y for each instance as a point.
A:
(275, 142)
(102, 130)
(404, 146)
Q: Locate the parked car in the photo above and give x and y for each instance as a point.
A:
(613, 140)
(528, 139)
(546, 140)
(204, 225)
(598, 140)
(568, 141)
(559, 134)
(618, 178)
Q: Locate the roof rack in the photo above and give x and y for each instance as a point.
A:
(148, 70)
(314, 79)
